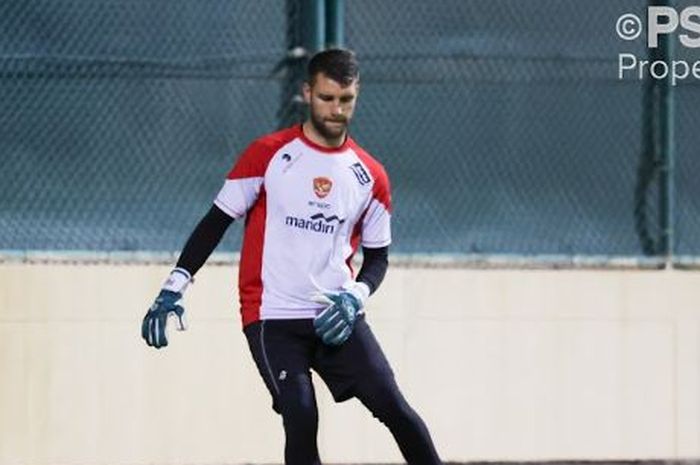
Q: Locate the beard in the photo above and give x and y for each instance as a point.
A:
(326, 130)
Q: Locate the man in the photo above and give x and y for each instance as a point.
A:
(310, 195)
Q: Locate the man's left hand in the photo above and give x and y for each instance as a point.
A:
(336, 322)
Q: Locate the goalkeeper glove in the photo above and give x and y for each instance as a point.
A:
(167, 305)
(335, 323)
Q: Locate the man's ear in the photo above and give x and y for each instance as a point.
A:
(306, 90)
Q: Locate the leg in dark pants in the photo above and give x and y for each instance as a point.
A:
(360, 369)
(297, 402)
(281, 350)
(383, 398)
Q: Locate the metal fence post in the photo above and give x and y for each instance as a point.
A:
(335, 18)
(306, 29)
(314, 25)
(664, 140)
(657, 158)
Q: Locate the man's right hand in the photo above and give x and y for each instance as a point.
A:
(154, 326)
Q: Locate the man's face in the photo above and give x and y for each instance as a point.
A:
(330, 105)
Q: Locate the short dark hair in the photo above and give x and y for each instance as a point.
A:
(338, 64)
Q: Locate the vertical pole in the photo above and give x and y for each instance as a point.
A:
(305, 36)
(314, 19)
(664, 140)
(335, 19)
(291, 67)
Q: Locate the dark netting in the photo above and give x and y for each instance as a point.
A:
(502, 124)
(687, 193)
(121, 118)
(687, 170)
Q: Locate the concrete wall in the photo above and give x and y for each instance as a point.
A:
(503, 365)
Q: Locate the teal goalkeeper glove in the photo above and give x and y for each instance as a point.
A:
(335, 323)
(166, 306)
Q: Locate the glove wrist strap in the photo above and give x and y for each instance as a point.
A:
(178, 280)
(359, 290)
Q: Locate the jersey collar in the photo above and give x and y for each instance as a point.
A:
(320, 148)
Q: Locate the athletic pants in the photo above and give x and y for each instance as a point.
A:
(285, 352)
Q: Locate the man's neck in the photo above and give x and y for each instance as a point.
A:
(315, 137)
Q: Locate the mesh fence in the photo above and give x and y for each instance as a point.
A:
(121, 118)
(502, 124)
(686, 197)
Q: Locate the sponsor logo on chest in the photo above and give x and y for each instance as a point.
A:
(317, 223)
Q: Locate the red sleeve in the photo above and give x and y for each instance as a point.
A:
(381, 190)
(376, 222)
(253, 162)
(382, 187)
(245, 180)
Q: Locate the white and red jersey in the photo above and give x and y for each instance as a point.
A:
(307, 209)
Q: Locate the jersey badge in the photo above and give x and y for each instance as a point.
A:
(360, 173)
(322, 186)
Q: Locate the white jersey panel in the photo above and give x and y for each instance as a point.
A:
(376, 226)
(314, 201)
(238, 195)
